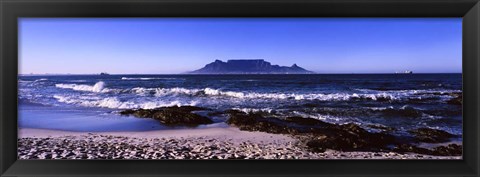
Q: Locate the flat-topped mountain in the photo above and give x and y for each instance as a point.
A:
(249, 66)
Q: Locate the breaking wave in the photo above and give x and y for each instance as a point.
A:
(115, 103)
(359, 95)
(98, 87)
(378, 96)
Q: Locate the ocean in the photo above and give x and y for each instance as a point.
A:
(93, 102)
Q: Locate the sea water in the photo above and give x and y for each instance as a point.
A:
(93, 102)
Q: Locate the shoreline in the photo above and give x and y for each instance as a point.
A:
(207, 143)
(230, 133)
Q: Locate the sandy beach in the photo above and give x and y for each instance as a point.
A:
(208, 143)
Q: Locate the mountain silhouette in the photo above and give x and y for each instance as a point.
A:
(249, 66)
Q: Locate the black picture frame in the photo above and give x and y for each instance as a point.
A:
(11, 10)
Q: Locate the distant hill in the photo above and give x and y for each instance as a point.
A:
(249, 66)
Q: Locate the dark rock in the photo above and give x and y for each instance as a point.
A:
(171, 115)
(144, 113)
(256, 122)
(429, 135)
(350, 137)
(127, 112)
(404, 148)
(187, 108)
(320, 136)
(456, 100)
(244, 66)
(309, 105)
(449, 150)
(216, 113)
(317, 145)
(384, 99)
(233, 111)
(347, 137)
(381, 127)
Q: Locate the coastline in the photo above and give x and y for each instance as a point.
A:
(207, 143)
(230, 133)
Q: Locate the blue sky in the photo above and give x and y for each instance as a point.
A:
(176, 45)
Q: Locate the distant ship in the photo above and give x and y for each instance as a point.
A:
(104, 74)
(404, 72)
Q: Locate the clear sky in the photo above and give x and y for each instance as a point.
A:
(176, 45)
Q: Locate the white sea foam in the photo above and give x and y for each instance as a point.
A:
(159, 92)
(115, 103)
(363, 94)
(98, 87)
(327, 118)
(380, 108)
(110, 102)
(254, 110)
(296, 96)
(175, 91)
(141, 90)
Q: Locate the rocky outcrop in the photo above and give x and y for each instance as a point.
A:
(449, 150)
(429, 135)
(171, 115)
(315, 135)
(256, 122)
(257, 66)
(319, 135)
(349, 137)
